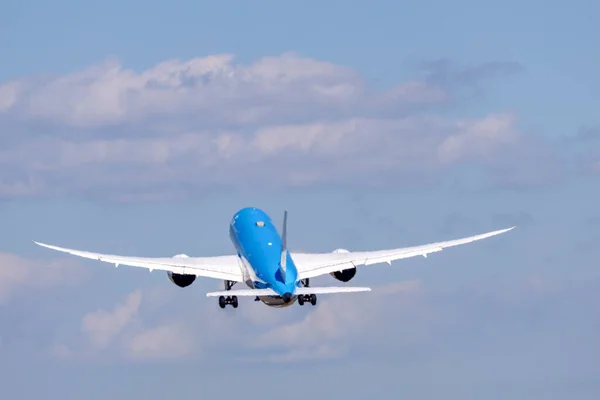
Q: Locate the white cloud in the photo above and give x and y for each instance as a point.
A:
(9, 94)
(18, 273)
(480, 139)
(61, 351)
(313, 153)
(329, 329)
(140, 329)
(164, 341)
(212, 86)
(129, 330)
(103, 326)
(287, 119)
(399, 318)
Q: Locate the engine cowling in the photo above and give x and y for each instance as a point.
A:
(181, 280)
(345, 275)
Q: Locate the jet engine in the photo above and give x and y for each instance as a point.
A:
(181, 280)
(345, 275)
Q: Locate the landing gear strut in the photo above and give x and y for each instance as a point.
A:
(312, 298)
(233, 300)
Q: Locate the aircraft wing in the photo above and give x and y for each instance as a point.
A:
(312, 265)
(219, 267)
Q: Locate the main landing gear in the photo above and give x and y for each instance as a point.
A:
(233, 300)
(307, 297)
(223, 301)
(312, 298)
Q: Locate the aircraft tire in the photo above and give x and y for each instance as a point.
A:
(301, 300)
(313, 299)
(222, 302)
(234, 301)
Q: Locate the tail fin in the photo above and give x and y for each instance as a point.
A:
(283, 260)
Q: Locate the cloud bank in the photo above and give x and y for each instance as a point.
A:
(182, 127)
(400, 320)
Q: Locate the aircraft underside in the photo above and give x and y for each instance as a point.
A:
(271, 301)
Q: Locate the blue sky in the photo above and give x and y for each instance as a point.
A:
(140, 128)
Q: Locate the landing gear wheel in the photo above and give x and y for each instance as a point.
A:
(312, 298)
(222, 302)
(234, 302)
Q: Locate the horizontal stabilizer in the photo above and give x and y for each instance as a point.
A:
(331, 290)
(299, 291)
(246, 292)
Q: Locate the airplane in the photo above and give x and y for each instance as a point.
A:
(274, 275)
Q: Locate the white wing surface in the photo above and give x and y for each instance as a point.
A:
(312, 265)
(219, 267)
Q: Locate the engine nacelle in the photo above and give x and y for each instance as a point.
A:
(181, 280)
(340, 251)
(345, 275)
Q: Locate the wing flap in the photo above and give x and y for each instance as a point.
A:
(218, 267)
